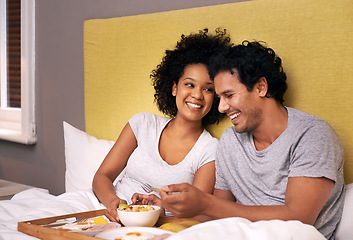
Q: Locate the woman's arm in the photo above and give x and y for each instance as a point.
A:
(111, 167)
(205, 177)
(204, 180)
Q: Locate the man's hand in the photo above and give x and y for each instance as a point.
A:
(183, 200)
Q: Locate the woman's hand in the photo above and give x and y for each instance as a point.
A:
(144, 199)
(112, 212)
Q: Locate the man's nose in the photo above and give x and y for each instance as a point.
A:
(223, 106)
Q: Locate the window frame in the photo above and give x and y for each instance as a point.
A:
(18, 124)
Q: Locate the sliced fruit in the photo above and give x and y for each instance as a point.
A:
(189, 223)
(123, 206)
(174, 227)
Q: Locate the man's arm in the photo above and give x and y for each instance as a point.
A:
(227, 195)
(304, 200)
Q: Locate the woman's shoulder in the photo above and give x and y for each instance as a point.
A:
(148, 119)
(149, 116)
(208, 139)
(205, 148)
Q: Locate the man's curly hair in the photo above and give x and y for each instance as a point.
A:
(192, 49)
(253, 60)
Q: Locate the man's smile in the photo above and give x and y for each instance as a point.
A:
(234, 115)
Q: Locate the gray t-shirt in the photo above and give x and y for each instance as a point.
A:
(309, 147)
(145, 164)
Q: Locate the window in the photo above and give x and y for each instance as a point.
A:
(17, 118)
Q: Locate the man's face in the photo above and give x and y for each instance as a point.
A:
(240, 105)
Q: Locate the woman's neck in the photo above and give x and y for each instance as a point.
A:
(184, 128)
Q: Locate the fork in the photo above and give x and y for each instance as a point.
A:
(62, 222)
(148, 188)
(80, 220)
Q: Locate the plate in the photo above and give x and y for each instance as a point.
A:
(98, 229)
(119, 232)
(88, 233)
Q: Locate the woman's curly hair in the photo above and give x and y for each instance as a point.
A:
(192, 49)
(253, 60)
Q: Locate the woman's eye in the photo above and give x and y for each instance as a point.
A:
(189, 84)
(209, 90)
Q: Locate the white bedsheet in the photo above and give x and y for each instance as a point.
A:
(38, 203)
(243, 229)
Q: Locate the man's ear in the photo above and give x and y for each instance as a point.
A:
(262, 87)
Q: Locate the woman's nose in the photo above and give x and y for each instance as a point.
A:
(197, 93)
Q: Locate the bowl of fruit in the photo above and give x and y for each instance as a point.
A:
(138, 215)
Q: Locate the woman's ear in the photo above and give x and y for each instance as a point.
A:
(262, 87)
(174, 89)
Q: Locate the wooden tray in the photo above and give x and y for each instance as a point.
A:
(34, 228)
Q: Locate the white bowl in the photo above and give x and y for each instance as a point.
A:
(140, 219)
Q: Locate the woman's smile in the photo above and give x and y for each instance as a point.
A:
(194, 105)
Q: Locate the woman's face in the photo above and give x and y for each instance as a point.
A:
(194, 93)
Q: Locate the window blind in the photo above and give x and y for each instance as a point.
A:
(17, 110)
(14, 53)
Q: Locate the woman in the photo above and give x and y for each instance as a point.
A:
(164, 150)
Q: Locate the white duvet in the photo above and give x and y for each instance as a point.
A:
(38, 203)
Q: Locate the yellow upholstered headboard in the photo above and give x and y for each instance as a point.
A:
(313, 38)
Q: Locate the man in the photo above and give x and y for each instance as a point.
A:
(276, 162)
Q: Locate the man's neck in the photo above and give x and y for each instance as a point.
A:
(274, 123)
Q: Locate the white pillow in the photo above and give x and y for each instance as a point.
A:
(83, 156)
(345, 227)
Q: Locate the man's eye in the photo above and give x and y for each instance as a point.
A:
(229, 95)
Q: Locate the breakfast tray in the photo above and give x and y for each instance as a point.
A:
(34, 228)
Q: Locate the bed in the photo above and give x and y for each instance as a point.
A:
(313, 39)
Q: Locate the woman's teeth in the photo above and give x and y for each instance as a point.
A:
(193, 105)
